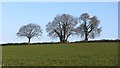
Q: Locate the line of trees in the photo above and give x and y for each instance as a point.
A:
(63, 26)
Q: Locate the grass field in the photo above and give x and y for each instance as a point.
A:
(75, 54)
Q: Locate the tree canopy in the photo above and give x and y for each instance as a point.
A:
(89, 26)
(62, 27)
(29, 31)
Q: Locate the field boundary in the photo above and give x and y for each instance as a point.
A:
(95, 41)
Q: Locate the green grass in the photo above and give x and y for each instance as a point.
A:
(75, 54)
(0, 56)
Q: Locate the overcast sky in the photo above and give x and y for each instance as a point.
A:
(17, 14)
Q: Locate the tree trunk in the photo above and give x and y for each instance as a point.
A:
(60, 39)
(86, 32)
(29, 40)
(86, 37)
(64, 31)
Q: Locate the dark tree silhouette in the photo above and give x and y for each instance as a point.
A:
(89, 26)
(62, 27)
(29, 31)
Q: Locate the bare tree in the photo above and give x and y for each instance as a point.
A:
(29, 31)
(89, 26)
(62, 27)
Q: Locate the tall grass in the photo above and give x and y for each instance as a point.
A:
(75, 54)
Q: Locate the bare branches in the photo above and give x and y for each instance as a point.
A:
(29, 31)
(89, 26)
(62, 26)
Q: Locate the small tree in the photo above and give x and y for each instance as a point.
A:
(89, 26)
(29, 31)
(62, 27)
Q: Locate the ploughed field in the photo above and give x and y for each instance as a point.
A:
(73, 54)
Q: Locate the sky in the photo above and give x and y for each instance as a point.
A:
(17, 14)
(60, 0)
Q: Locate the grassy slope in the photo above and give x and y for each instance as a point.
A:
(78, 54)
(0, 56)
